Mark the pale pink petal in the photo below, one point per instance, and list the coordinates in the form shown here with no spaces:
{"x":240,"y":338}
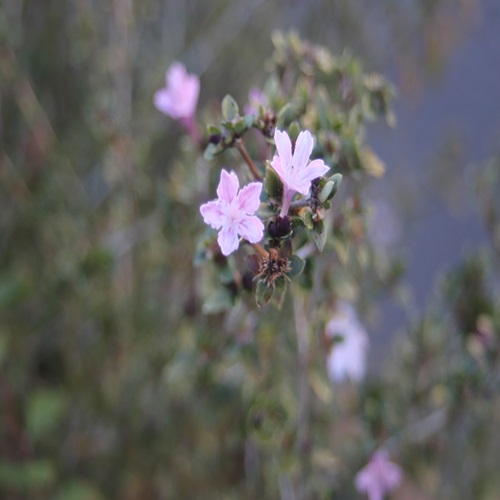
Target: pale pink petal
{"x":228,"y":240}
{"x":284,"y":147}
{"x":212,"y":214}
{"x":251,"y":228}
{"x":302,"y":186}
{"x":176,"y":75}
{"x":278,"y":168}
{"x":187,"y":96}
{"x":249,"y":197}
{"x":163,"y":101}
{"x":228,"y":186}
{"x":303,"y":149}
{"x":315,"y":169}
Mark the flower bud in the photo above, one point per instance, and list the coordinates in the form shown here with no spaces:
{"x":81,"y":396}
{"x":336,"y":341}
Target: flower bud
{"x":214,"y":138}
{"x":279,"y":228}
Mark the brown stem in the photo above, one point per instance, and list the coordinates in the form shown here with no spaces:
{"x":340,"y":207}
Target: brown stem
{"x":241,"y":148}
{"x":262,"y":251}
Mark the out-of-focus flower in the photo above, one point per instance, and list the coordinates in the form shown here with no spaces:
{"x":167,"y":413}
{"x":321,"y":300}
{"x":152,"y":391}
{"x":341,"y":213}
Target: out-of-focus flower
{"x":348,"y":355}
{"x":256,"y":98}
{"x":233,"y":212}
{"x":295,"y":170}
{"x":379,"y":476}
{"x":179,"y":97}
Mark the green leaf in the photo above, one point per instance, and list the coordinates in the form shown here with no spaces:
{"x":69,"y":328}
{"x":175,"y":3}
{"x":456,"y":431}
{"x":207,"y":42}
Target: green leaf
{"x":229,"y":108}
{"x":211,"y":151}
{"x":337,"y":179}
{"x":240,"y":126}
{"x":297,"y":264}
{"x":319,"y":235}
{"x":326,"y":191}
{"x":213,"y":130}
{"x":263,"y":293}
{"x":308,"y":221}
{"x":294,"y":131}
{"x":273,"y":184}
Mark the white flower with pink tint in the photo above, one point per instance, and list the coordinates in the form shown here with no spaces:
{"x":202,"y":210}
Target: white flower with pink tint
{"x":233,"y":212}
{"x":379,"y":476}
{"x":179,"y":97}
{"x":294,"y":169}
{"x":347,"y":359}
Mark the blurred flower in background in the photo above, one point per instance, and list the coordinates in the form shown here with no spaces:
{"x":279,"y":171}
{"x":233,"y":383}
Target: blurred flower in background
{"x":179,"y":97}
{"x":347,"y":358}
{"x":256,"y":98}
{"x":379,"y":476}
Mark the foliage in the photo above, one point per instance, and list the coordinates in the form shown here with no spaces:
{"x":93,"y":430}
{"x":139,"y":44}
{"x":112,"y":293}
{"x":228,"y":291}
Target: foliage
{"x":128,"y":372}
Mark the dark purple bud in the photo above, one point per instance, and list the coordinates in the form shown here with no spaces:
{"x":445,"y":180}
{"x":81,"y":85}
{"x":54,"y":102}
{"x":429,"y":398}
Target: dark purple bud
{"x":214,"y":138}
{"x":283,"y":225}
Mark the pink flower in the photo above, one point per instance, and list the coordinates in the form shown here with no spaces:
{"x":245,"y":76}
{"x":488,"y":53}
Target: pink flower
{"x":348,"y":355}
{"x":295,"y":171}
{"x":379,"y":476}
{"x":256,"y":98}
{"x":233,"y":212}
{"x":179,"y":97}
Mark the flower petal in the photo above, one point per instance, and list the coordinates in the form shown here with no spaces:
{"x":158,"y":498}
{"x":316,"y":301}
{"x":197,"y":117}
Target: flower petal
{"x":212,"y":214}
{"x":251,"y":228}
{"x":249,"y":197}
{"x":315,"y":169}
{"x":163,"y":101}
{"x":284,"y":147}
{"x":176,"y":75}
{"x":228,"y":240}
{"x":228,"y":186}
{"x":303,"y":150}
{"x":278,"y":168}
{"x":186,"y":97}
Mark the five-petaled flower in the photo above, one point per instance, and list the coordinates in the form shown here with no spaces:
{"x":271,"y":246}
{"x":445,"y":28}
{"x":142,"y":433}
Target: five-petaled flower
{"x":347,"y":357}
{"x":295,"y":170}
{"x":379,"y":476}
{"x":233,"y":212}
{"x":179,"y":97}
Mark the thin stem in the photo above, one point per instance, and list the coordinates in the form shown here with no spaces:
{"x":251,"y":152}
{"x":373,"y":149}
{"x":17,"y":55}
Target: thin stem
{"x":302,"y":333}
{"x":304,"y":202}
{"x":262,"y":251}
{"x":241,"y":148}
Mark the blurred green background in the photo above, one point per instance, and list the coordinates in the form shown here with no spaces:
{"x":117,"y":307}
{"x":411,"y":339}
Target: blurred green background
{"x":96,"y":277}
